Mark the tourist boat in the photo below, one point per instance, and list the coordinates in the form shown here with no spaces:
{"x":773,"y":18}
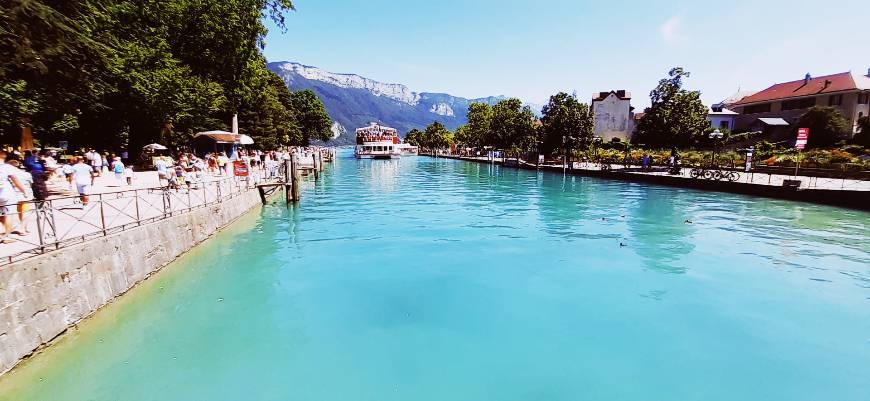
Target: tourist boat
{"x":377,"y":142}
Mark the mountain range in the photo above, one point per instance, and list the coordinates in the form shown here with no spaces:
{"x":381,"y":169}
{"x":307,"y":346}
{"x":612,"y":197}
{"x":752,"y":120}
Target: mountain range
{"x":354,"y":101}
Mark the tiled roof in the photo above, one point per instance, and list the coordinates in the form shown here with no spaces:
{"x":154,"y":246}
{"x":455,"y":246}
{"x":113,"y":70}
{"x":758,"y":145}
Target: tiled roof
{"x":621,"y":94}
{"x":818,"y":85}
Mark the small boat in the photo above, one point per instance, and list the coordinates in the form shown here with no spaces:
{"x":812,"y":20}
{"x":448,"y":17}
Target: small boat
{"x":377,"y":142}
{"x":406,"y":149}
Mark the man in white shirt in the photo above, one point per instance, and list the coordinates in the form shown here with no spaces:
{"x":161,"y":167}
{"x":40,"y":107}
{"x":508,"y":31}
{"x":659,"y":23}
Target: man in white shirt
{"x":83,"y":175}
{"x":160,"y":165}
{"x":8,"y":197}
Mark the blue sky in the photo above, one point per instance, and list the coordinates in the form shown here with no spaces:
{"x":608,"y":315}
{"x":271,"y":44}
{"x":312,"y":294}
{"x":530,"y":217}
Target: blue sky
{"x":532,"y":49}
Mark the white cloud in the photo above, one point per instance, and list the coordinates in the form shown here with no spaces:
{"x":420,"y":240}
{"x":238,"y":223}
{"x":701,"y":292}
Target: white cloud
{"x":670,"y":30}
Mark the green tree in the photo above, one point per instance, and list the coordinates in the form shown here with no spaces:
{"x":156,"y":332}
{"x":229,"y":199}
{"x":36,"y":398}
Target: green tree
{"x":567,"y":123}
{"x":513,"y":126}
{"x":51,"y":64}
{"x":414,"y":137}
{"x":311,"y":116}
{"x":676,"y":117}
{"x":479,"y":124}
{"x":827,"y":126}
{"x":269,"y":118}
{"x":436,"y":136}
{"x":863,"y":136}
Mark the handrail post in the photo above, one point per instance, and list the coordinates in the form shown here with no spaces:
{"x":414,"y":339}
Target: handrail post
{"x":39,"y":205}
{"x":136,"y":201}
{"x":102,"y":214}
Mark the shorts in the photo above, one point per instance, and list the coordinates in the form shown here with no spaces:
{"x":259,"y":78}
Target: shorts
{"x":97,"y":169}
{"x":8,"y":207}
{"x":84,"y":189}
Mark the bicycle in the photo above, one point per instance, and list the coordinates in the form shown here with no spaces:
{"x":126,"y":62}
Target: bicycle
{"x":726,"y":175}
{"x":698,"y":172}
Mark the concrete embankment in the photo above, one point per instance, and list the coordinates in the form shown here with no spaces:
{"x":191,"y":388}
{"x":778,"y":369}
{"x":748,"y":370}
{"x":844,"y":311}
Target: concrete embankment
{"x":41,"y":297}
{"x":843,"y":198}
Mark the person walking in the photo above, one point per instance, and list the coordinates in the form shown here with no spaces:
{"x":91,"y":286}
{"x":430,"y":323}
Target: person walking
{"x":222,"y":162}
{"x":162,"y":174}
{"x":83,"y":177}
{"x":97,"y":165}
{"x":25,"y":198}
{"x":118,"y":169}
{"x":8,"y":198}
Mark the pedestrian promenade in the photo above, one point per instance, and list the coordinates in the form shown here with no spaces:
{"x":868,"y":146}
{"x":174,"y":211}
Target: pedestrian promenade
{"x":834,"y":191}
{"x":113,"y":206}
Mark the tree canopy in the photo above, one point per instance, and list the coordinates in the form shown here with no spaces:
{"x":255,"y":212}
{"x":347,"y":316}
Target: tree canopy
{"x":127,"y":72}
{"x":676,"y":117}
{"x":512,"y":126}
{"x":827,"y":126}
{"x":567,"y":123}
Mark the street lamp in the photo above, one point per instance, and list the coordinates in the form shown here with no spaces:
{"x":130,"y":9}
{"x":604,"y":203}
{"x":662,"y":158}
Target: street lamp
{"x":716,"y":135}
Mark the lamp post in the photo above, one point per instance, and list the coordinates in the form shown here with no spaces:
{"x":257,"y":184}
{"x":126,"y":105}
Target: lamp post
{"x":716,"y":135}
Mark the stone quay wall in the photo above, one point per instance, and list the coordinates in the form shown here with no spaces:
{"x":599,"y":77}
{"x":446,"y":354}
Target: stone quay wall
{"x":43,"y":296}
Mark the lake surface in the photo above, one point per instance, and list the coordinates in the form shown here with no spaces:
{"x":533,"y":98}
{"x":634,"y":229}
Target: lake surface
{"x":426,"y":279}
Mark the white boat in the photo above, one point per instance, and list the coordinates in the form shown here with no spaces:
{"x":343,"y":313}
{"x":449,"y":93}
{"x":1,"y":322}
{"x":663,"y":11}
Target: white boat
{"x":406,"y":149}
{"x":377,"y":142}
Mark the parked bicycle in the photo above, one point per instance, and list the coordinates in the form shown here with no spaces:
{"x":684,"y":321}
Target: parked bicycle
{"x":719,"y":175}
{"x":711,"y":174}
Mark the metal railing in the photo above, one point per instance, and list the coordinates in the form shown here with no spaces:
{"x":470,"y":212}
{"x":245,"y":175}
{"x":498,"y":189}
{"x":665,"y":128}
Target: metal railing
{"x":44,"y":226}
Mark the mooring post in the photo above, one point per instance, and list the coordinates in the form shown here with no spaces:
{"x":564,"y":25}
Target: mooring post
{"x":314,"y":160}
{"x":295,"y":177}
{"x":288,"y":194}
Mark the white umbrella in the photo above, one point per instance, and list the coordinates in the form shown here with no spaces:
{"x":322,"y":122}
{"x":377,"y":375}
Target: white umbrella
{"x":245,"y":140}
{"x":154,"y":146}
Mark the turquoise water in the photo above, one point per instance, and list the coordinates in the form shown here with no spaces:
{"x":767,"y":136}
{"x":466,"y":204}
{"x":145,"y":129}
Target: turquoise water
{"x":427,"y":279}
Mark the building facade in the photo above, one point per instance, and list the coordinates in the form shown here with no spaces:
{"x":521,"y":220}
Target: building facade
{"x":721,"y":118}
{"x":848,"y":92}
{"x":613,"y":115}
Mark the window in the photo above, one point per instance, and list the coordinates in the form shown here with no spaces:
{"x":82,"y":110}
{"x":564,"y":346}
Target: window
{"x":724,"y":124}
{"x":797,"y":104}
{"x":757,"y":108}
{"x":835,"y":100}
{"x":864,"y":98}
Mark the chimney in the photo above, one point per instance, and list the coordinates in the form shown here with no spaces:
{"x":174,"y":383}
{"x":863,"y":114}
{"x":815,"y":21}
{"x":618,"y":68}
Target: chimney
{"x":807,"y":78}
{"x":868,"y":73}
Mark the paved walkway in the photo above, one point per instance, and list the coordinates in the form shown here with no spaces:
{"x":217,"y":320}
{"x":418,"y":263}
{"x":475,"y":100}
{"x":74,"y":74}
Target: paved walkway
{"x":749,"y":178}
{"x":112,"y":207}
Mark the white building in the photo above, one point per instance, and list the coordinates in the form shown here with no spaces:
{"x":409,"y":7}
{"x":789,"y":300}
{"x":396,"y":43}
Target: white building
{"x":722,"y":118}
{"x":613,"y":115}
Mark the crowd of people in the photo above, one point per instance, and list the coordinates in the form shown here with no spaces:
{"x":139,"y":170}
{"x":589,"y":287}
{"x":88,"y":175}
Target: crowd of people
{"x":24,"y":175}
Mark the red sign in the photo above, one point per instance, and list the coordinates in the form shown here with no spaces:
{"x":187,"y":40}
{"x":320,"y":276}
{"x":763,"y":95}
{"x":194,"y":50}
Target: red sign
{"x":802,"y":137}
{"x":240,"y":169}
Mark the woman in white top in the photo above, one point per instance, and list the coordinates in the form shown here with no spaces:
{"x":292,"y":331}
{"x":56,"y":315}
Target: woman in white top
{"x":25,"y":198}
{"x":8,"y":197}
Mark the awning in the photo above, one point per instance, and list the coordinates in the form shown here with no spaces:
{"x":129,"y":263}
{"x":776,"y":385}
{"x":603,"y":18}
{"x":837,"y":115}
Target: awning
{"x":219,"y":136}
{"x":154,"y":146}
{"x":245,"y":140}
{"x":774,"y":122}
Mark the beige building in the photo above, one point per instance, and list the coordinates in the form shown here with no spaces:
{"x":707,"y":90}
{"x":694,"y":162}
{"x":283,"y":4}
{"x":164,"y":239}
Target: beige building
{"x":613,"y":115}
{"x":778,"y":107}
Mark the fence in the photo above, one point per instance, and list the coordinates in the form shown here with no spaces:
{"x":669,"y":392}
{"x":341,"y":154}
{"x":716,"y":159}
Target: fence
{"x":60,"y":222}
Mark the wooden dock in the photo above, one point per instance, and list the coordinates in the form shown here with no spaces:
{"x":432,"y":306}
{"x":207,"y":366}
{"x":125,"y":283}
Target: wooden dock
{"x":293,"y":172}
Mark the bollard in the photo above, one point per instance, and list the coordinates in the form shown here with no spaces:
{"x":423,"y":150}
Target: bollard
{"x":295,"y":175}
{"x":314,"y":161}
